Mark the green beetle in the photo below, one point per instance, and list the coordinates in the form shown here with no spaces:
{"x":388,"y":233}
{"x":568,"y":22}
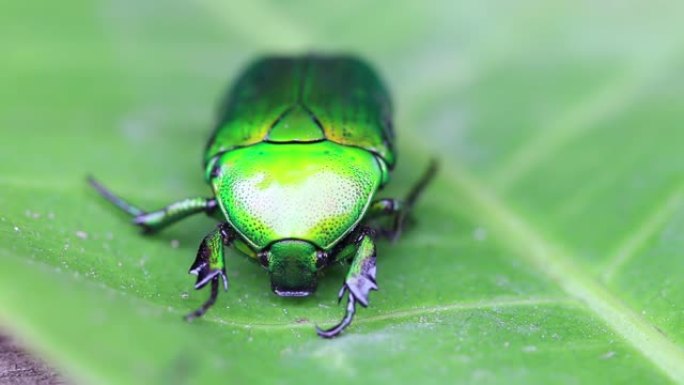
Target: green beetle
{"x":301,"y":147}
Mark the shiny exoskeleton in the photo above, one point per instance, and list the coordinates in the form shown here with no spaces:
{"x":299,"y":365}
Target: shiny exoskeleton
{"x":301,"y":148}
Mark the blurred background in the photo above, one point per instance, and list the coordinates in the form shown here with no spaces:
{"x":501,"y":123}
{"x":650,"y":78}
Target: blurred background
{"x":557,"y":214}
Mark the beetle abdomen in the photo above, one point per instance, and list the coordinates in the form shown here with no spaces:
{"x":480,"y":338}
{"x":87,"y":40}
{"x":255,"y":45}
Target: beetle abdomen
{"x":340,"y":99}
{"x":315,"y":192}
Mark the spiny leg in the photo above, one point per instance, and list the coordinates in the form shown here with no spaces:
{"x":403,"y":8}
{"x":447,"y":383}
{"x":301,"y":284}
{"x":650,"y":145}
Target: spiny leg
{"x":206,"y":305}
{"x":360,"y":279}
{"x":359,"y":282}
{"x":209,"y":266}
{"x":401,"y":209}
{"x":154,"y":221}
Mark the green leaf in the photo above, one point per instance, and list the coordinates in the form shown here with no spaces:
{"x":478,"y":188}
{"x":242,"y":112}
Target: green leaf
{"x":549,"y":249}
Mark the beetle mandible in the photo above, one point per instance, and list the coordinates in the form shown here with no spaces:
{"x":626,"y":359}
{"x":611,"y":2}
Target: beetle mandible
{"x":300,"y":149}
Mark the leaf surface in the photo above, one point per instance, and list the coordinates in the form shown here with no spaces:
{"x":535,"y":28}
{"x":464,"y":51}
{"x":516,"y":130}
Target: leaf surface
{"x":549,"y":249}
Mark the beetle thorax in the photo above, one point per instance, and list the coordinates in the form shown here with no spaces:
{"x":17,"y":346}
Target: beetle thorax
{"x":316,"y":192}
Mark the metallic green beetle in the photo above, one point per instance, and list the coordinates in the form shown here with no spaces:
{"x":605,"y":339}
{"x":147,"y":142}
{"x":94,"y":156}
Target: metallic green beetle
{"x":301,"y":147}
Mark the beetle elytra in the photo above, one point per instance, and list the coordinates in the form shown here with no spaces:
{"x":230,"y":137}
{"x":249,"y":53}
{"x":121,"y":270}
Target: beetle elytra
{"x":301,"y":147}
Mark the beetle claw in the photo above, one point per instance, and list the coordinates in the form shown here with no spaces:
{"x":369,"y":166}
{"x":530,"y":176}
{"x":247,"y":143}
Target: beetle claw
{"x":346,"y":320}
{"x":340,"y":294}
{"x":207,"y":304}
{"x":203,"y":279}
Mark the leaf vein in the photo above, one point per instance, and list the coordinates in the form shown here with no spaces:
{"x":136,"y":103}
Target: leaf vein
{"x":607,"y":102}
{"x":555,"y":262}
{"x":407,"y":313}
{"x":635,"y":241}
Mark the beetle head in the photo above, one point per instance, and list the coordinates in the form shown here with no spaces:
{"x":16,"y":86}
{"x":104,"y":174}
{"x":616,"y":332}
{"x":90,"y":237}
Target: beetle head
{"x":293,"y":266}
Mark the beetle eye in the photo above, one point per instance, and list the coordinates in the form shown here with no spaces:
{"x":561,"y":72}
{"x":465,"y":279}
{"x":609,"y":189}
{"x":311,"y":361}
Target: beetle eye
{"x":215,"y":171}
{"x":263,"y":258}
{"x":321,"y":258}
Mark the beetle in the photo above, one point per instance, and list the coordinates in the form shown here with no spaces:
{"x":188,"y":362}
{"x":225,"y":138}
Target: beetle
{"x":301,"y":147}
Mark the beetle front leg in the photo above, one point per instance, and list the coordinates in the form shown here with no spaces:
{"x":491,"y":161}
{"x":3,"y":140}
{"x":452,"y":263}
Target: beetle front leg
{"x":209,"y":266}
{"x":358,"y":284}
{"x":154,"y":221}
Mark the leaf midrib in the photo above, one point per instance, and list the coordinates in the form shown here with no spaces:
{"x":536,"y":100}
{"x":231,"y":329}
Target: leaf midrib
{"x":555,"y":262}
{"x":636,"y":240}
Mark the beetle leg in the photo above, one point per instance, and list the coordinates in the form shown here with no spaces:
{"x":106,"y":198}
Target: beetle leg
{"x":156,"y":220}
{"x":209,"y":266}
{"x":358,"y":284}
{"x":401,"y":209}
{"x":385,"y":207}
